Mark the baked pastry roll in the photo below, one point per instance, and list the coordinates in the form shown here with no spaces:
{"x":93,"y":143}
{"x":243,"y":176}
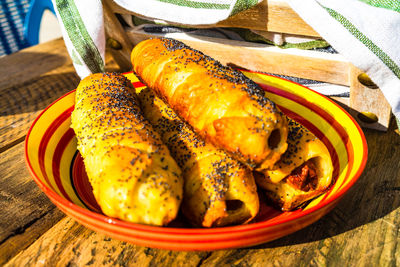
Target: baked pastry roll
{"x":303,"y":172}
{"x":222,"y":105}
{"x":218,"y":190}
{"x":131,"y":171}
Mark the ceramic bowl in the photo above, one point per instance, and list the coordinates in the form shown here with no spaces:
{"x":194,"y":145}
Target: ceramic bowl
{"x":57,"y":167}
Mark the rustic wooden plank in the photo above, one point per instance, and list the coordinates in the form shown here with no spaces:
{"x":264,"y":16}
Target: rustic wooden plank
{"x":48,"y":73}
{"x":70,"y":244}
{"x":269,"y":15}
{"x":117,"y":41}
{"x":24,"y":237}
{"x":32,"y":62}
{"x":331,"y":68}
{"x":47,"y":77}
{"x":369,"y":100}
{"x":26,"y":212}
{"x":363,"y":230}
{"x":20,"y":104}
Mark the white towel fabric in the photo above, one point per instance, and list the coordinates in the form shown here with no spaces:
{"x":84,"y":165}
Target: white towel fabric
{"x":82,"y":27}
{"x":366,"y":33}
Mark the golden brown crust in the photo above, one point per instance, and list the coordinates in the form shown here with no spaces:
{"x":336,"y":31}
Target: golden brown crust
{"x":222,"y":105}
{"x":303,"y":148}
{"x":132,"y":174}
{"x":218,"y":190}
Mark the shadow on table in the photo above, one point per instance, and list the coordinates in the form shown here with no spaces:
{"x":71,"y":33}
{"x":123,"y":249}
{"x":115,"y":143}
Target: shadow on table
{"x":31,"y":81}
{"x":28,"y":84}
{"x":45,"y":77}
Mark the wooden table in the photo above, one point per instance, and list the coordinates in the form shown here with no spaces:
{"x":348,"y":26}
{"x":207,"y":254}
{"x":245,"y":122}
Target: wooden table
{"x":363,"y":230}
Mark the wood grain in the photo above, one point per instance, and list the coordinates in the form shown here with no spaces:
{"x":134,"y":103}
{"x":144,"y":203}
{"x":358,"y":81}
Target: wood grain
{"x":115,"y":32}
{"x":269,"y":15}
{"x":20,"y":104}
{"x":32,"y":62}
{"x":365,"y":99}
{"x":331,"y":68}
{"x":70,"y":244}
{"x":26,"y":213}
{"x":47,"y":74}
{"x":34,"y":78}
{"x":363,"y":230}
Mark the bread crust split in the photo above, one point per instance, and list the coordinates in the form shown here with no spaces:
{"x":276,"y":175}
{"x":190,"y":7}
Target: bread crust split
{"x":222,"y":105}
{"x":218,"y":190}
{"x":132,"y":173}
{"x":303,"y":172}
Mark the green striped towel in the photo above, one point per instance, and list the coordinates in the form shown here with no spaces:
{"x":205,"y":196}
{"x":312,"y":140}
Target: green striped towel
{"x":82,"y":27}
{"x":366,"y":32}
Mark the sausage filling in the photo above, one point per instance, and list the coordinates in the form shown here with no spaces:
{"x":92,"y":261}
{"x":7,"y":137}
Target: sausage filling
{"x":304,"y":177}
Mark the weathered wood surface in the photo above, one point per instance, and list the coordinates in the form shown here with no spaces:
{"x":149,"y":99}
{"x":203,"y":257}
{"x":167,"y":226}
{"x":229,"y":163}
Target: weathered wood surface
{"x":370,"y":100}
{"x":269,"y":15}
{"x":363,"y":230}
{"x":331,"y":68}
{"x":117,"y":41}
{"x":30,"y":80}
{"x":26,"y":213}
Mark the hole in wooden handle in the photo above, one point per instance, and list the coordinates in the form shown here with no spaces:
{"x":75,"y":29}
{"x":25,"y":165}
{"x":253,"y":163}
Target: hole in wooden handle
{"x":365,"y":80}
{"x":367,"y":117}
{"x":114,"y":44}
